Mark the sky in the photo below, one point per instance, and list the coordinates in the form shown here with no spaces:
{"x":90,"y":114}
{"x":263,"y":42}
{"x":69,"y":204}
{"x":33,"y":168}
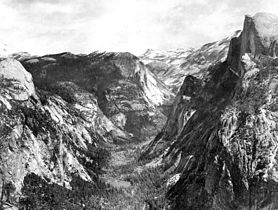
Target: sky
{"x":82,"y":26}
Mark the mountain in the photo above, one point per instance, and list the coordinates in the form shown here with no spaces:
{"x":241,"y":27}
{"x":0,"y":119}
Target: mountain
{"x":43,"y":134}
{"x":220,"y":141}
{"x":63,"y":115}
{"x":127,"y":92}
{"x":173,"y":66}
{"x":104,"y":130}
{"x":60,"y":119}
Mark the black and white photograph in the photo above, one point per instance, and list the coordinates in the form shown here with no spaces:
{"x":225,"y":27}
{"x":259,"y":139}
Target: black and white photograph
{"x":138,"y":105}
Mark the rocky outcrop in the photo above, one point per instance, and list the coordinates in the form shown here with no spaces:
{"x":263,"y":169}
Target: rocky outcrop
{"x":23,"y":86}
{"x":221,"y":136}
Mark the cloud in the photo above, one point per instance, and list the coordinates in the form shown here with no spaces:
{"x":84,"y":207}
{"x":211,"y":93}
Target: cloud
{"x":50,"y":26}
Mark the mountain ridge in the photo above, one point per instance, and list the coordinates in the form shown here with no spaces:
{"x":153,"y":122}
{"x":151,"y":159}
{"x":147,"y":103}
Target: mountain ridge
{"x":222,"y":152}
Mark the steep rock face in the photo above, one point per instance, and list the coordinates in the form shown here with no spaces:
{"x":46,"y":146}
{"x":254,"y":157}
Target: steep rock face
{"x":126,"y":91}
{"x":260,"y":35}
{"x":42,"y":133}
{"x":172,"y":67}
{"x":221,"y":138}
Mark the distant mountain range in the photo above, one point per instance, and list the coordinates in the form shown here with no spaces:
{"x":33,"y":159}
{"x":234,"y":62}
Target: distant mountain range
{"x":171,"y":67}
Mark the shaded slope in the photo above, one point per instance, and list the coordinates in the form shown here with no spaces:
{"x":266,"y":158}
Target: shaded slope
{"x":220,"y":140}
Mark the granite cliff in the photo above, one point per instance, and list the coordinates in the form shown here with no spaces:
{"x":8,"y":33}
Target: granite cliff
{"x":220,"y":141}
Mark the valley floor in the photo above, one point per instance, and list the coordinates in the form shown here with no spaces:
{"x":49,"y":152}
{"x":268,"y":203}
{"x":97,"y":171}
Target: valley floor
{"x":137,"y":187}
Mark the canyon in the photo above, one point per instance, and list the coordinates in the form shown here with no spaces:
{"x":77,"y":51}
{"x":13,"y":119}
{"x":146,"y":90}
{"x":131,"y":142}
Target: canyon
{"x":181,"y":129}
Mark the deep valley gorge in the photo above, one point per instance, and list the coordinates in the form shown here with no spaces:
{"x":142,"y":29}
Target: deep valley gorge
{"x":188,"y":129}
